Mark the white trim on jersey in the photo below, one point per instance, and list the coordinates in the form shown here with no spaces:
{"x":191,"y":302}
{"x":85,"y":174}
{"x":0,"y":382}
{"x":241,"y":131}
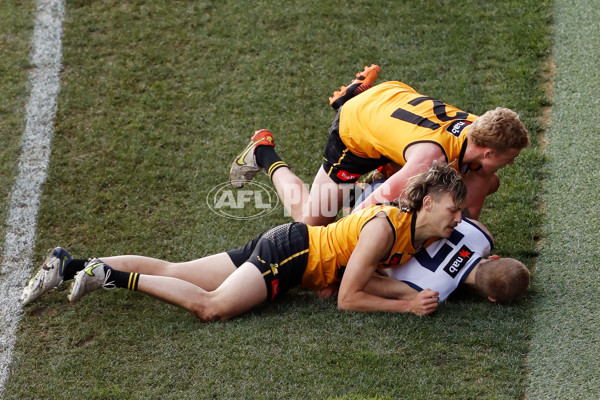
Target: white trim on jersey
{"x":444,"y":264}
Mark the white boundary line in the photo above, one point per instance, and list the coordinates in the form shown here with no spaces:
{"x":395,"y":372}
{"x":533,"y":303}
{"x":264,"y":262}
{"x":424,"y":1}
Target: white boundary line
{"x":35,"y":155}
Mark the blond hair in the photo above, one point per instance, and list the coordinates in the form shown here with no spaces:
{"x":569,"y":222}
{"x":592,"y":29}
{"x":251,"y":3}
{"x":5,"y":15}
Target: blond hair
{"x":504,"y":279}
{"x":499,"y":129}
{"x":440,"y":179}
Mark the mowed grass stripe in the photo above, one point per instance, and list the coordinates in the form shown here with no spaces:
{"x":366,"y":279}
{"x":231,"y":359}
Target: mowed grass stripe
{"x":158,"y":98}
{"x":33,"y":162}
{"x":16,"y":27}
{"x":565,"y":344}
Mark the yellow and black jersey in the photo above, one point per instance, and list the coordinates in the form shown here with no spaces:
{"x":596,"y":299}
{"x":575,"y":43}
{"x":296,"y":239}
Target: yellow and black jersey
{"x":330,"y":246}
{"x":386,"y":119}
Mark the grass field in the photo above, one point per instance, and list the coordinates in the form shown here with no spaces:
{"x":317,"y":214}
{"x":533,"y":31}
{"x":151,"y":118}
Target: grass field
{"x":16,"y":24}
{"x":156,"y":100}
{"x":565,"y":349}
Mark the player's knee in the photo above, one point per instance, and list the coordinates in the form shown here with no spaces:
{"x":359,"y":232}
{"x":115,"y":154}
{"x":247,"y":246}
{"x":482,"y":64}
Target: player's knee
{"x":205,"y":308}
{"x":205,"y":313}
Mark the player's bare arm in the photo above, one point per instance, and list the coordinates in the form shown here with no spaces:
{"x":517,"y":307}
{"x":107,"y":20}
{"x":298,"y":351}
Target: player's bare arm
{"x":423,"y":302}
{"x":480,"y":184}
{"x":379,"y":285}
{"x":419,"y":157}
{"x":384,"y":286}
{"x":373,"y":245}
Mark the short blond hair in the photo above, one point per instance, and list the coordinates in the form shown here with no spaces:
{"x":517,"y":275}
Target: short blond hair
{"x":438,"y":180}
{"x":504,"y":279}
{"x":499,"y":129}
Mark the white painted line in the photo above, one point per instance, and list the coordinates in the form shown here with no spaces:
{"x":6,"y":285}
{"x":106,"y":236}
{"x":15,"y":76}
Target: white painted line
{"x":33,"y":163}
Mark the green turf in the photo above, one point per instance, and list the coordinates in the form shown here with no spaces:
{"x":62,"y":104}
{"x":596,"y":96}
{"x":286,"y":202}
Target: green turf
{"x":16,"y":29}
{"x":565,"y":348}
{"x":157,"y":99}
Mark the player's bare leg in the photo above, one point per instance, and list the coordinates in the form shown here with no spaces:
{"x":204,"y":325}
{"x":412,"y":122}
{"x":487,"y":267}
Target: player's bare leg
{"x":240,"y":292}
{"x":324,"y":200}
{"x":320,"y":206}
{"x":207,"y":272}
{"x":292,"y":192}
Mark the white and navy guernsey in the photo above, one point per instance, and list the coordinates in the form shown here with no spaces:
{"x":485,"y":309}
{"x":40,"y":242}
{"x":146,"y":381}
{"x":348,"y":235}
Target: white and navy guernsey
{"x":444,"y":264}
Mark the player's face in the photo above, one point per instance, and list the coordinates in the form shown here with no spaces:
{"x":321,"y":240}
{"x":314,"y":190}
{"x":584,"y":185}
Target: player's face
{"x":445,"y":215}
{"x":493,"y":160}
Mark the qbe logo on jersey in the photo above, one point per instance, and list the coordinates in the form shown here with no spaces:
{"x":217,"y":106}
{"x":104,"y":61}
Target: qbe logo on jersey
{"x":458,"y":261}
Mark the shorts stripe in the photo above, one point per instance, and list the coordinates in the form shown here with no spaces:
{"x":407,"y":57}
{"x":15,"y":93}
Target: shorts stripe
{"x":288,"y":243}
{"x":286,"y":260}
{"x":294,"y":256}
{"x":339,"y":161}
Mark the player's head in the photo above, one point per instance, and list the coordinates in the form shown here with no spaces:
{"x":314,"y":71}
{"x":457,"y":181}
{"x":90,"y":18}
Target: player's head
{"x":438,"y":197}
{"x":501,"y":279}
{"x":437,"y":181}
{"x":499,"y":129}
{"x":502,"y":133}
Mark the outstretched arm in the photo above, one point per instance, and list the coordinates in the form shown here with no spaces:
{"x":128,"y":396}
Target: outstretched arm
{"x":374,"y":243}
{"x":379,"y":285}
{"x":423,"y":302}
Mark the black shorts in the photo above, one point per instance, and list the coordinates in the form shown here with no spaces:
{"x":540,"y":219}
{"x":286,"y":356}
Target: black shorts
{"x":341,"y":164}
{"x":280,"y":254}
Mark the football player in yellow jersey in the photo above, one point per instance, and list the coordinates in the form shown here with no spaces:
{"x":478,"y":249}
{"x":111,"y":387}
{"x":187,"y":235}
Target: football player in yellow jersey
{"x":224,"y":285}
{"x":390,"y":123}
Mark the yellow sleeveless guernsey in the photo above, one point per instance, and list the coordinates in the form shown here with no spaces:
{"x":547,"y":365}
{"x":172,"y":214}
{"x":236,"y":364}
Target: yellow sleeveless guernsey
{"x":386,"y":119}
{"x":330,"y":246}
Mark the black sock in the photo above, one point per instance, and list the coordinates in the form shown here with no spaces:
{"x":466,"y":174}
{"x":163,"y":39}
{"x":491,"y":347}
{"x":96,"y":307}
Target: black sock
{"x":73,"y":267}
{"x":268,"y":159}
{"x":125,"y":280}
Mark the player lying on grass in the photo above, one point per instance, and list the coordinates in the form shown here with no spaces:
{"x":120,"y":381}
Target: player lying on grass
{"x":224,"y":285}
{"x":446,"y":264}
{"x":389,"y":122}
{"x":449,"y":263}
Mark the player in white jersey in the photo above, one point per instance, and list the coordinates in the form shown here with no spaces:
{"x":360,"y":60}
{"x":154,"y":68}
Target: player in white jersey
{"x":445,"y":264}
{"x":438,"y":269}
